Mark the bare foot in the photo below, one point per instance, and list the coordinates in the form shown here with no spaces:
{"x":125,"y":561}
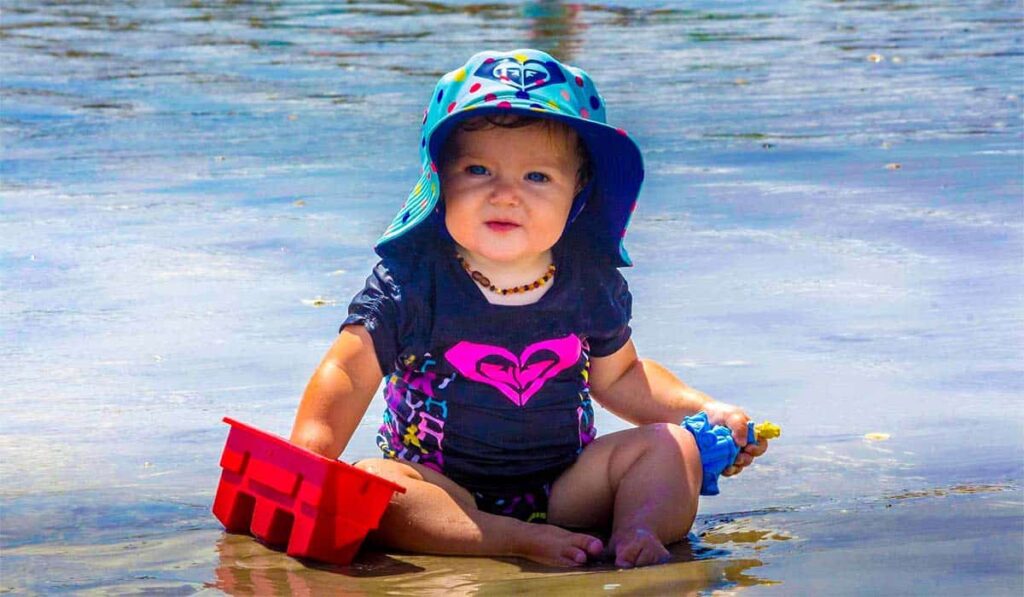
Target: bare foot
{"x":637,"y":547}
{"x":554,"y":546}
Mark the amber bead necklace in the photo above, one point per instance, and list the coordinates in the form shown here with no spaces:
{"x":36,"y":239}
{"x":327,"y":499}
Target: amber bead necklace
{"x":486,"y":282}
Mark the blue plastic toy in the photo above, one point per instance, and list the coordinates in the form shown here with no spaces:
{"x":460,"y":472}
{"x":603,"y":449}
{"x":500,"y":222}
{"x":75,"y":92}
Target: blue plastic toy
{"x":717,"y":448}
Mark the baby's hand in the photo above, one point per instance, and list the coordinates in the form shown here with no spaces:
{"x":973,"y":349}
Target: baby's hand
{"x":736,"y":419}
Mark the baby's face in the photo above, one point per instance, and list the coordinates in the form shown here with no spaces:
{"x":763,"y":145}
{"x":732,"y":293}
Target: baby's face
{"x":508,"y":191}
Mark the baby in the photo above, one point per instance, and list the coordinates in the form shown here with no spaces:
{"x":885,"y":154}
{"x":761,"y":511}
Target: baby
{"x":497,"y":314}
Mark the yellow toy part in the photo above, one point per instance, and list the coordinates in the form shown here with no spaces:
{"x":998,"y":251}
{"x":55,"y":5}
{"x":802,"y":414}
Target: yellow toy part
{"x":767,"y":430}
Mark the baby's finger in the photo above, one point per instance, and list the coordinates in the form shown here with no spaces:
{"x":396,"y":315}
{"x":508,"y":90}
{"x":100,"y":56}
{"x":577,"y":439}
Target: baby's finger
{"x":737,"y":423}
{"x":732,"y":470}
{"x":757,"y":449}
{"x":743,"y":459}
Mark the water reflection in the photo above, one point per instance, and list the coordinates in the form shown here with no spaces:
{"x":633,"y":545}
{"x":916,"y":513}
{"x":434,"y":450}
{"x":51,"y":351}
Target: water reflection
{"x":555,"y":27}
{"x":246,"y":567}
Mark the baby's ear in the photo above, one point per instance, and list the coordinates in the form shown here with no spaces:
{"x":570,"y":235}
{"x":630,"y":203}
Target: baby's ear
{"x":583,"y":177}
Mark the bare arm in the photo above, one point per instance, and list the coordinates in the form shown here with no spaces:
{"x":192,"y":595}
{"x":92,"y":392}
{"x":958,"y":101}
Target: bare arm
{"x":338,"y":394}
{"x":640,"y":390}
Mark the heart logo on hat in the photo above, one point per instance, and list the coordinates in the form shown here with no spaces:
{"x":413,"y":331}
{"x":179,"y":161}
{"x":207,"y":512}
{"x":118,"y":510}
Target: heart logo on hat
{"x":520,"y":377}
{"x":521,"y":74}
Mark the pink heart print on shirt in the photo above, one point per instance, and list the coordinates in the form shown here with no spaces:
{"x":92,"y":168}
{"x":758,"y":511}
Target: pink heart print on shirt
{"x":517,"y":377}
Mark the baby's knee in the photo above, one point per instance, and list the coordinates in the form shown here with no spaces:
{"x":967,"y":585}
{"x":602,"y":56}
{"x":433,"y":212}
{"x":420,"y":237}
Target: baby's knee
{"x":668,"y":437}
{"x":388,"y":469}
{"x":370,"y":465}
{"x":676,"y":447}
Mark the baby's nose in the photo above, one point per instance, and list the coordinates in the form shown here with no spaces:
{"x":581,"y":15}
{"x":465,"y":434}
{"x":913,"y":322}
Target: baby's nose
{"x":504,"y":192}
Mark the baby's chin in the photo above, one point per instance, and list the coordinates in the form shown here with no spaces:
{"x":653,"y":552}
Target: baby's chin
{"x":507,"y":253}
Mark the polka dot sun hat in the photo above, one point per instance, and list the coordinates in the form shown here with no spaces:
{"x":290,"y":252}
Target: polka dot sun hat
{"x":532,"y":83}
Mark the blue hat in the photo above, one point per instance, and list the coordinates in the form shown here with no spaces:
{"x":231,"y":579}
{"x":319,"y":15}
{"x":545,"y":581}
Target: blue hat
{"x":532,"y":83}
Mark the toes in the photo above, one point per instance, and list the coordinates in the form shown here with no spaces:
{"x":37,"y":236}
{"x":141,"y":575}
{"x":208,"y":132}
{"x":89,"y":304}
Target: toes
{"x":626,"y":555}
{"x":590,"y":545}
{"x":652,"y":553}
{"x":574,"y":556}
{"x":641,"y":548}
{"x":581,"y":548}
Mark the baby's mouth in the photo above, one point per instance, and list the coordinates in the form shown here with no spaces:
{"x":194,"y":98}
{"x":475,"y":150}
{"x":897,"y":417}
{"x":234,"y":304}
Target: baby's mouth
{"x":501,"y":225}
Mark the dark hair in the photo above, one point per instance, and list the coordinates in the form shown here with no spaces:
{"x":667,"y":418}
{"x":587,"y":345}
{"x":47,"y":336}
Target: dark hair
{"x":518,"y":121}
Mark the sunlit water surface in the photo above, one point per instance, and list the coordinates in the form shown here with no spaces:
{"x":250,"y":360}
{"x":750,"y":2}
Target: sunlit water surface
{"x":830,"y":235}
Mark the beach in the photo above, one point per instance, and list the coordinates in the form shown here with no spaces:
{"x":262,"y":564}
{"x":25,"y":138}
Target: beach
{"x":830,"y":235}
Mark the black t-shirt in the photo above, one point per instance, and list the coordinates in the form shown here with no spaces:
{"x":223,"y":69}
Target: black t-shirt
{"x":489,"y":394}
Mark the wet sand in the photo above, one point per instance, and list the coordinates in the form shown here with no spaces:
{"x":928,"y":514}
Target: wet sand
{"x":804,"y":549}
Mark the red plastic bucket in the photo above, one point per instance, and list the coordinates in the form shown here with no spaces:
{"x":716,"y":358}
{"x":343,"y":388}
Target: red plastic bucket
{"x":291,"y":498}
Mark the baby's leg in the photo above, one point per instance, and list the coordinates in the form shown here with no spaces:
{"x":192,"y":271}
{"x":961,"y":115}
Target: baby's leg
{"x":646,"y":481}
{"x":436,"y":515}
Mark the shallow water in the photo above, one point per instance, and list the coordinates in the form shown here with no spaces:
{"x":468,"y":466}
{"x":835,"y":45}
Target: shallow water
{"x":830,"y":234}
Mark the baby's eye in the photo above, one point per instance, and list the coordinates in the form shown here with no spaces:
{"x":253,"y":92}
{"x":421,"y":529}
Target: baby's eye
{"x":537,"y":177}
{"x":476,"y":170}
